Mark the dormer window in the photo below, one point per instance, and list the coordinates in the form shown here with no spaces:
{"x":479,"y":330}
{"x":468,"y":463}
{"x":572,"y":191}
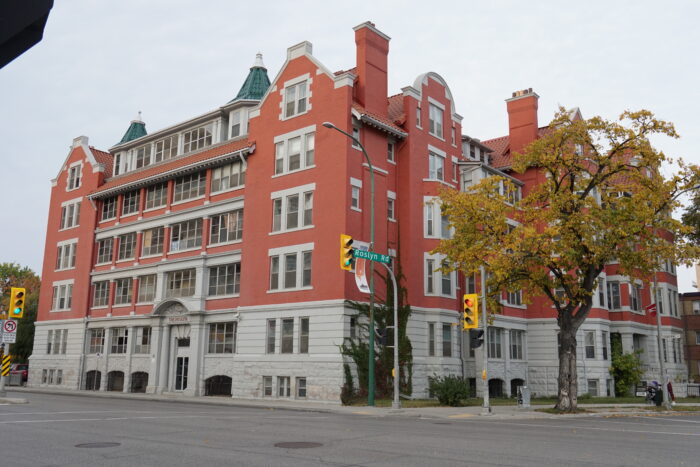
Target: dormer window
{"x":143,"y":156}
{"x":235,"y":124}
{"x":198,"y":138}
{"x":295,"y":99}
{"x":165,"y":149}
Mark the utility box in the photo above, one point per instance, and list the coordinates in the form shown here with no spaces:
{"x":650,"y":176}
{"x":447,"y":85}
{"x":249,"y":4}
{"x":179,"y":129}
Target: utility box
{"x":523,"y":397}
{"x":15,"y":380}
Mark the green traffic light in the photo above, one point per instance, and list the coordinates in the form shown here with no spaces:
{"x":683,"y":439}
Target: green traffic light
{"x":17,"y":311}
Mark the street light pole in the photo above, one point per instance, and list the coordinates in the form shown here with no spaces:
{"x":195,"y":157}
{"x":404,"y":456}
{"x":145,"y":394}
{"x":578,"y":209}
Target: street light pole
{"x":370,"y":377}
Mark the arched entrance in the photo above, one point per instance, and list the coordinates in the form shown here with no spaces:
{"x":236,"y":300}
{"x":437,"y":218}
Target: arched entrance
{"x":115,"y":381}
{"x":218,"y":385}
{"x":495,"y":387}
{"x":139,"y":381}
{"x":92,"y":380}
{"x":175,"y":327}
{"x":514,"y":385}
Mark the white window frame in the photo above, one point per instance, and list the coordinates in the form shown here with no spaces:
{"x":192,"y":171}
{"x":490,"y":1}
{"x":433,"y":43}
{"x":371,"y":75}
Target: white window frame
{"x":75,"y":176}
{"x":391,"y":206}
{"x":156,"y":239}
{"x":301,"y":86}
{"x":436,"y":166}
{"x":188,"y":276}
{"x":495,"y":346}
{"x":391,"y":152}
{"x":159,"y":196}
{"x":189,"y":235}
{"x":220,"y":228}
{"x":433,"y":225}
{"x":147,"y":288}
{"x":118,"y":340}
{"x":62,"y":291}
{"x":123,"y":252}
{"x":279,"y":255}
{"x":195,"y":183}
{"x":123,"y":291}
{"x":517,"y":344}
{"x":165,"y":148}
{"x":113,"y":202}
{"x":436,"y":118}
{"x":222,"y":277}
{"x":223,"y":177}
{"x":70,"y":214}
{"x":306,"y":153}
{"x":433,"y":279}
{"x":100,"y":294}
{"x":106,"y":241}
{"x":133,"y":206}
{"x":280,"y":208}
{"x":589,"y":344}
{"x":355,"y":194}
{"x":199,"y":138}
{"x":65,"y":254}
{"x":142,"y":339}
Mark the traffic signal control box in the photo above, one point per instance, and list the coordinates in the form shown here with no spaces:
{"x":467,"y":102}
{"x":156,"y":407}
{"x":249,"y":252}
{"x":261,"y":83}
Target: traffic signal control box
{"x":470,"y":319}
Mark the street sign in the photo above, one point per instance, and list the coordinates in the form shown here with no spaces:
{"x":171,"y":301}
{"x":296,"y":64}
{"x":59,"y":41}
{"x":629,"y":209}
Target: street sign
{"x":9,"y":331}
{"x":372,"y":256}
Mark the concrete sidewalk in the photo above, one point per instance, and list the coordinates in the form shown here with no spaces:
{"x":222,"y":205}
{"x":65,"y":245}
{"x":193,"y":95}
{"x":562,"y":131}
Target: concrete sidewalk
{"x":498,"y":412}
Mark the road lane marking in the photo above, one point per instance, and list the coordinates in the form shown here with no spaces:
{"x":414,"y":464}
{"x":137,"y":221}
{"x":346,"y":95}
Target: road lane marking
{"x":462,"y":415}
{"x":154,"y":417}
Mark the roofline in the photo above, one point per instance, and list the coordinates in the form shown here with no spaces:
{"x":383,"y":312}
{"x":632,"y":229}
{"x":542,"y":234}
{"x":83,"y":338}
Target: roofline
{"x":189,"y":168}
{"x":477,"y":142}
{"x":218,"y":112}
{"x":499,"y":172}
{"x":366,"y":118}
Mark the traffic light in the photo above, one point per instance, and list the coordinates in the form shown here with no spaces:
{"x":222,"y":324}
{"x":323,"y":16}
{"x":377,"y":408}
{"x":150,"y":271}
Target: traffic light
{"x":347,"y":261}
{"x":17,"y":302}
{"x":476,"y":338}
{"x":471,"y":311}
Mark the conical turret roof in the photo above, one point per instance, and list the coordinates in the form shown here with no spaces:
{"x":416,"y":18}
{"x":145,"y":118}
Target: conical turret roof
{"x":136,"y":130}
{"x":256,"y":84}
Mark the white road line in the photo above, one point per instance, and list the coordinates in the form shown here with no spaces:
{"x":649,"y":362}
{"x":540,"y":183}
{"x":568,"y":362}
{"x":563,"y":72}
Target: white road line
{"x":101,"y":411}
{"x":574,"y":427}
{"x":9,"y":422}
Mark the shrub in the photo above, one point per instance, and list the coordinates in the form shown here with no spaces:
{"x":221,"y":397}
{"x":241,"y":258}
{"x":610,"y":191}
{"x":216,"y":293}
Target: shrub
{"x":449,"y":390}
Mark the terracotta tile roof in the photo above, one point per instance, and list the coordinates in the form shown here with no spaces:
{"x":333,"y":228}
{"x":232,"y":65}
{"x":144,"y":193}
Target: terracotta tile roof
{"x":104,"y":158}
{"x":500,"y":157}
{"x":382,"y":120}
{"x":396,"y":113}
{"x":172,"y":165}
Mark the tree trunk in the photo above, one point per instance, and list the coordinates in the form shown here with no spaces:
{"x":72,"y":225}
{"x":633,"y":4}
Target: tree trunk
{"x":567,"y":381}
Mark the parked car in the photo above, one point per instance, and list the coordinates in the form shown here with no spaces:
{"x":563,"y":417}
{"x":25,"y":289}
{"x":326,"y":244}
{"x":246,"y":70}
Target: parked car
{"x":20,"y":369}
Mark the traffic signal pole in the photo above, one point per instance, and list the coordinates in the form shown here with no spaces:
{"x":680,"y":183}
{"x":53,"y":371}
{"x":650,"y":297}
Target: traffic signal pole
{"x":396,"y":404}
{"x":486,"y":408}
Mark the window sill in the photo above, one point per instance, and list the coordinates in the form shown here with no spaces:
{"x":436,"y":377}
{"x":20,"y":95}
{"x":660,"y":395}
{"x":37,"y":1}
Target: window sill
{"x":279,"y":232}
{"x":294,"y":171}
{"x":434,"y":135}
{"x":283,"y":118}
{"x":59,"y":310}
{"x":131,"y":214}
{"x":391,"y":220}
{"x":108,"y":219}
{"x":227,"y":190}
{"x":230,"y":242}
{"x":439,"y":181}
{"x":126,"y":260}
{"x":182,"y":201}
{"x":154,"y":208}
{"x":104,"y":263}
{"x":195,"y":248}
{"x":355,"y":209}
{"x":150,"y":302}
{"x":100,"y":307}
{"x":154,"y":255}
{"x":221,"y":297}
{"x":63,"y":269}
{"x":296,"y":289}
{"x":121,"y":305}
{"x":69,"y":228}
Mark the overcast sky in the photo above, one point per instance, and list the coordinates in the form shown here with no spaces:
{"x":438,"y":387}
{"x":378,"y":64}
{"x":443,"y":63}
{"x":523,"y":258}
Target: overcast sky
{"x":100,"y":62}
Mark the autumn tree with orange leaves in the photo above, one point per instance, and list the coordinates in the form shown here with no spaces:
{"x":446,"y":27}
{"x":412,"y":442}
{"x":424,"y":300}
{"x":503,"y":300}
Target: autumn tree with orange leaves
{"x":602,"y":199}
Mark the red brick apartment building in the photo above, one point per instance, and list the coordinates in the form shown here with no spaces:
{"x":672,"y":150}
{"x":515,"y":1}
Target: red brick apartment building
{"x":203,"y":258}
{"x":690,"y":303}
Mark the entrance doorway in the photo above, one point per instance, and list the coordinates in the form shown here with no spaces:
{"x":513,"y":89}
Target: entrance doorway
{"x":181,"y":373}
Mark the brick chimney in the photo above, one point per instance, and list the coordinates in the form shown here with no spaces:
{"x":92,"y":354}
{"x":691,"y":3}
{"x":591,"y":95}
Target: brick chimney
{"x":522,"y":119}
{"x":372,"y":56}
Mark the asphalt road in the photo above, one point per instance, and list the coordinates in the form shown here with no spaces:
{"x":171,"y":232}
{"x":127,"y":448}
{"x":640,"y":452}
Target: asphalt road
{"x":59,"y":430}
